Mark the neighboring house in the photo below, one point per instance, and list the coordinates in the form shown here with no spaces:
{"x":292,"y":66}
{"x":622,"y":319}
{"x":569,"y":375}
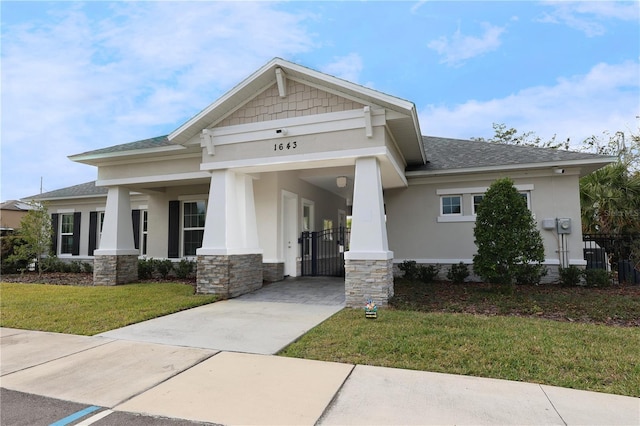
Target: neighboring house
{"x":11,"y":214}
{"x":291,"y":150}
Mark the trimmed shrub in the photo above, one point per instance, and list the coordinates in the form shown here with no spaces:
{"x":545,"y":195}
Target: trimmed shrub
{"x":570,"y":276}
{"x":530,"y":274}
{"x":597,"y":278}
{"x":427,"y":273}
{"x":145,"y":268}
{"x":163,"y":267}
{"x":509,"y":243}
{"x":458,"y":273}
{"x":184,"y":268}
{"x":410,"y":269}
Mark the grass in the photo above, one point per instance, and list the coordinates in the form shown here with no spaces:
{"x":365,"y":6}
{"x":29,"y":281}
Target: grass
{"x":582,"y":338}
{"x":574,"y":355}
{"x":91,"y":310}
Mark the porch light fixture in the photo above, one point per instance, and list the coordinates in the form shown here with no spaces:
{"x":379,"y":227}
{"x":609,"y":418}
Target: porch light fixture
{"x":341,"y":181}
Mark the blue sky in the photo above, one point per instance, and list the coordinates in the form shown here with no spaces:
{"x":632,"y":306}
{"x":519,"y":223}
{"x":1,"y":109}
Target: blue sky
{"x":78,"y":76}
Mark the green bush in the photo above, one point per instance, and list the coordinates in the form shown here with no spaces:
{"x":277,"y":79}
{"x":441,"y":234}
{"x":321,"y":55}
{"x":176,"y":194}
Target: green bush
{"x":570,"y":276}
{"x":458,"y":273}
{"x":74,"y":267}
{"x":530,"y":274}
{"x":11,"y":264}
{"x":184,"y":268}
{"x":597,"y":278}
{"x":427,"y":273}
{"x":410,"y":269}
{"x":87,"y":267}
{"x":52,"y":264}
{"x":163,"y":267}
{"x":145,"y":268}
{"x":506,"y":235}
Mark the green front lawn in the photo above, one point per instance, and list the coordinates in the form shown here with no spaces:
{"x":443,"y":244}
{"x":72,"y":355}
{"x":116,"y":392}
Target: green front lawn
{"x":583,"y":338}
{"x":581,"y":356}
{"x":91,"y":310}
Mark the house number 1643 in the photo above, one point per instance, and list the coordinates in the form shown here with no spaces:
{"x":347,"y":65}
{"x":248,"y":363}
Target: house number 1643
{"x":283,"y":146}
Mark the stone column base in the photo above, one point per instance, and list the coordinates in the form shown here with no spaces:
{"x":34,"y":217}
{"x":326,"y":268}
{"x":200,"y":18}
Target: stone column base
{"x":229,"y":275}
{"x":273,"y":272}
{"x":115,"y":269}
{"x":368,"y":279}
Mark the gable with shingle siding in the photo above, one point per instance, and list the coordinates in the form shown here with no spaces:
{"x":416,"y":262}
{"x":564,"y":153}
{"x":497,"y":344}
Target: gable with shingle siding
{"x":302,"y":100}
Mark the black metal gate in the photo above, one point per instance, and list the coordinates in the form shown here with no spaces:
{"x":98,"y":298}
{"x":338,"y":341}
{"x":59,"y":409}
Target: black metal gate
{"x":619,"y":254}
{"x":323,"y":252}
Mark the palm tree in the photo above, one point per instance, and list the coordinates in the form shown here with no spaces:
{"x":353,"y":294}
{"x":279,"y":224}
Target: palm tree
{"x":610,"y":200}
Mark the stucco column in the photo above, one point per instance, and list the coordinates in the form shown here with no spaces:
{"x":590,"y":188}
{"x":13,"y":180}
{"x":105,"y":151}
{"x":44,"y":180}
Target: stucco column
{"x":368,"y":263}
{"x":230,"y":259}
{"x":116,"y":260}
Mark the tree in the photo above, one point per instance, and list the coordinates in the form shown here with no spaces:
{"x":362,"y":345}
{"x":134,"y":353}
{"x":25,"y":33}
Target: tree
{"x":610,"y":200}
{"x":509,"y":245}
{"x":610,"y":196}
{"x":36,"y":232}
{"x":511,"y":137}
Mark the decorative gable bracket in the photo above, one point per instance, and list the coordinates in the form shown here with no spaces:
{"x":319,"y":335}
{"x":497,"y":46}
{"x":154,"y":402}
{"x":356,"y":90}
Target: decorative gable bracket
{"x":281,"y":78}
{"x":206,"y":141}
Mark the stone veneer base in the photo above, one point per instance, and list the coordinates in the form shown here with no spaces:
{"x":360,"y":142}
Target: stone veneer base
{"x":273,"y":272}
{"x":115,"y":269}
{"x":368,"y":279}
{"x":229,"y":275}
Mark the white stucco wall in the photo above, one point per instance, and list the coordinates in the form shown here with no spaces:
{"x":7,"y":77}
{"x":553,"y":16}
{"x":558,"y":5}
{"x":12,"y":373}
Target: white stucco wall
{"x":415,"y":233}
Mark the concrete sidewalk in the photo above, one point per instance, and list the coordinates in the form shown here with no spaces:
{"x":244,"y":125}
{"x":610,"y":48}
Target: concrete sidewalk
{"x":220,"y":387}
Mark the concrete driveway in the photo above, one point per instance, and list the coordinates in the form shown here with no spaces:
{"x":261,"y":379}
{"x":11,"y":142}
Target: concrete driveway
{"x":262,"y":322}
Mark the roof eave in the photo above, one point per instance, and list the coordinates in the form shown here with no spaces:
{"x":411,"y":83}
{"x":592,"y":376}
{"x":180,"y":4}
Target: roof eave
{"x":95,"y":159}
{"x":586,"y":165}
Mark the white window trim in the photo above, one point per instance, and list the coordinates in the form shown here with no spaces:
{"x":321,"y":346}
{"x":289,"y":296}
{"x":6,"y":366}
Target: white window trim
{"x":144,"y":232}
{"x":62,"y":234}
{"x":442,"y":197}
{"x":189,"y":199}
{"x":525,"y":189}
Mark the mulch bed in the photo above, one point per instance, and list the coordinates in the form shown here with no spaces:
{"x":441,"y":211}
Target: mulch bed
{"x":616,"y":305}
{"x":571,"y":304}
{"x":65,"y":278}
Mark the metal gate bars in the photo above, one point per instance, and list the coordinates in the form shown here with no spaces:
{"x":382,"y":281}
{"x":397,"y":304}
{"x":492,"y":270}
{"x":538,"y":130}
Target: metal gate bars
{"x":323,"y":252}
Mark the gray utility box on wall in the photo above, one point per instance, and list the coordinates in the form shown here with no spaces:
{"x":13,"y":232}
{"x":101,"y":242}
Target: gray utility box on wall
{"x":563,"y":225}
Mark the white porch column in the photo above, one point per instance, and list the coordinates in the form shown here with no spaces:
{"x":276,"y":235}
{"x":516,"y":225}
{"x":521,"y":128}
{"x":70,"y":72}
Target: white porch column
{"x":116,"y":260}
{"x":230,"y":259}
{"x":231,"y":225}
{"x":117,"y":229}
{"x":368,"y":227}
{"x":368,"y":263}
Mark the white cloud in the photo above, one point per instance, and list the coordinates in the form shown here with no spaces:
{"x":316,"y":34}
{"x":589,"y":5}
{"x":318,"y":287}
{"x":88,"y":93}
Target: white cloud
{"x":78,"y":82}
{"x":346,"y":67}
{"x":606,"y":98}
{"x":459,"y":48}
{"x":588,"y":16}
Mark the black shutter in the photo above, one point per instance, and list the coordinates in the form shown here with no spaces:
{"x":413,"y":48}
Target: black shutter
{"x":93,"y":232}
{"x":135,"y":217}
{"x":76,"y":234}
{"x":54,"y":233}
{"x":174,"y":229}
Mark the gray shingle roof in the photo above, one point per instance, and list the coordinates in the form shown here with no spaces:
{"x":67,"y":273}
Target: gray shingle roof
{"x":88,"y":189}
{"x":156,"y":142}
{"x":452,"y":154}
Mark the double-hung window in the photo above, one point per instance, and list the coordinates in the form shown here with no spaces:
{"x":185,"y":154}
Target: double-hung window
{"x":451,"y":205}
{"x":66,"y":233}
{"x":477,"y":199}
{"x":144,"y":232}
{"x":194,"y":213}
